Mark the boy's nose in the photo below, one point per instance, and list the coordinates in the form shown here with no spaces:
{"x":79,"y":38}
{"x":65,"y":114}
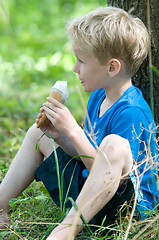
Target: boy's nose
{"x":75,"y":68}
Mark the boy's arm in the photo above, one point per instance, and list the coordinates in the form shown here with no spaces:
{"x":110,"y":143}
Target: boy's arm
{"x":76,"y":143}
{"x":71,"y":136}
{"x":59,"y":138}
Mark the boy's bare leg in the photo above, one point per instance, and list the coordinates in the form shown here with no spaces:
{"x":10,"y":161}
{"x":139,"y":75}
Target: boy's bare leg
{"x":22,"y":170}
{"x":113,"y":161}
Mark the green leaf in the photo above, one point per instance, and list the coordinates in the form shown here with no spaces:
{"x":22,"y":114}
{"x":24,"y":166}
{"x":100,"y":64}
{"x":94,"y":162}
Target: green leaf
{"x":3,"y":234}
{"x":81,"y":216}
{"x":155,"y":69}
{"x":41,"y":197}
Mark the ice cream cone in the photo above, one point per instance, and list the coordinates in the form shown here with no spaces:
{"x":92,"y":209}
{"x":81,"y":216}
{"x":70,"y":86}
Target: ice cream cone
{"x":60,"y":93}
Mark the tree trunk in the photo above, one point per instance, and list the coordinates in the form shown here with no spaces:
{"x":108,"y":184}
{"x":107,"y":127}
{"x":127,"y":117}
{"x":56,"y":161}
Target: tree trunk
{"x":142,"y":78}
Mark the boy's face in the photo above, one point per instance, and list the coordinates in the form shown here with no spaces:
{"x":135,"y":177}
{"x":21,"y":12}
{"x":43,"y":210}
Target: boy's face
{"x":91,"y":74}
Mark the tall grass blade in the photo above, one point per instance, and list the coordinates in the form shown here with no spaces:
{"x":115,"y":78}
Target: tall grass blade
{"x":81,"y":216}
{"x":62,"y":177}
{"x":36,"y":148}
{"x":58,"y":174}
{"x":71,"y":176}
{"x":155,"y":69}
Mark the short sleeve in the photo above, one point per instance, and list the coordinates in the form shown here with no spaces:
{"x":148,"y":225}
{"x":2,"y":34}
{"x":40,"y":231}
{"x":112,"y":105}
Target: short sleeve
{"x":128,"y":123}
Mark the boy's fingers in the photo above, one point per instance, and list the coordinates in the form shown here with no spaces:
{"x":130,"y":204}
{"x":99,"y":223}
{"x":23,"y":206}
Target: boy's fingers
{"x":41,"y":110}
{"x":37,"y":121}
{"x":49,"y":106}
{"x":49,"y":112}
{"x":39,"y":115}
{"x":54,"y":102}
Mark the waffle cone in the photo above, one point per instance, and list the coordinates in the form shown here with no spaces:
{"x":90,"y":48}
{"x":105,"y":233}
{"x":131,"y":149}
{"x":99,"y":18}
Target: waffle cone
{"x":56,"y":94}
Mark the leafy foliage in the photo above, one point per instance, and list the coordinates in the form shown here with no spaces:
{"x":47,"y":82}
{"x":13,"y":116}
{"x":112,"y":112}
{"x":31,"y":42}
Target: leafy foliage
{"x":35,"y":53}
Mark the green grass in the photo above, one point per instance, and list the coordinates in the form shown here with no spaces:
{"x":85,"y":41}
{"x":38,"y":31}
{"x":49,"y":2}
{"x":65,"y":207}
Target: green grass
{"x":33,"y":215}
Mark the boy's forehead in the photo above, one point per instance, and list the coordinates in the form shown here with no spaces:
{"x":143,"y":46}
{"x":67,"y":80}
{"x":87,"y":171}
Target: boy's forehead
{"x":85,"y":55}
{"x":80,"y":51}
{"x":76,"y":50}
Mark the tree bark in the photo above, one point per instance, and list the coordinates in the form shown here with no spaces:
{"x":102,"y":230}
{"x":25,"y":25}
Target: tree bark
{"x":142,"y":78}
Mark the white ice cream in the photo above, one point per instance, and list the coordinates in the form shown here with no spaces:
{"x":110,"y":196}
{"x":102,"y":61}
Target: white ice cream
{"x":62,"y":87}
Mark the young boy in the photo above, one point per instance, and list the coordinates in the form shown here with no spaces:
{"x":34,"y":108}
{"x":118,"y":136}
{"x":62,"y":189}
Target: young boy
{"x":119,"y":135}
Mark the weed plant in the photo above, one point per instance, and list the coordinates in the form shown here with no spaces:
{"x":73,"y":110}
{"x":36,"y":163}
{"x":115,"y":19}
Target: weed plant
{"x":33,"y":215}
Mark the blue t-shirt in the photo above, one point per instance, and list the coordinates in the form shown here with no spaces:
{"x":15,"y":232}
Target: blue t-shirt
{"x":129,"y":117}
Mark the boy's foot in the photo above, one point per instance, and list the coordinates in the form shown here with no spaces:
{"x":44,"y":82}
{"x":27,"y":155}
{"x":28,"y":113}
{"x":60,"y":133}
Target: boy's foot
{"x":4,"y":221}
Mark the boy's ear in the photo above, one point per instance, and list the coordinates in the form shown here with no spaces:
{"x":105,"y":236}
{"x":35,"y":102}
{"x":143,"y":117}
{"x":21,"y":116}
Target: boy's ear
{"x":114,"y":67}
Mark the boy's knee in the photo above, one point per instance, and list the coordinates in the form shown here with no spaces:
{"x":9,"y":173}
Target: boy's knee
{"x":34,"y":133}
{"x":115,"y":145}
{"x":44,"y":143}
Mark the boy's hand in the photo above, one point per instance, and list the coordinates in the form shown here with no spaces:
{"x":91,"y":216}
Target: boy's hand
{"x":47,"y":127}
{"x":60,"y":116}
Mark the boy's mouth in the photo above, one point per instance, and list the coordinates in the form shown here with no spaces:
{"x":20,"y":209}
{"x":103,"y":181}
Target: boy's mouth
{"x":82,"y":82}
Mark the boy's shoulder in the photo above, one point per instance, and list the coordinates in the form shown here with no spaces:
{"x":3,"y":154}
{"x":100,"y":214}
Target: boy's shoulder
{"x":132,"y":101}
{"x":131,"y":97}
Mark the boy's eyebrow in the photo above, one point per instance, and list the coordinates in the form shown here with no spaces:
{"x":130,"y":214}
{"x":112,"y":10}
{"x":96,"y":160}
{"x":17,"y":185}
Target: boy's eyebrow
{"x":76,"y":54}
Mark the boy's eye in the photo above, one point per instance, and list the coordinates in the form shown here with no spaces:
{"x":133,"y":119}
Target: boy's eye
{"x":80,"y":60}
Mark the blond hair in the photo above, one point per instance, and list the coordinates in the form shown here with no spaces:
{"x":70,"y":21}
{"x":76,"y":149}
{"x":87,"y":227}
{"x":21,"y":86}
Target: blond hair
{"x":110,"y":32}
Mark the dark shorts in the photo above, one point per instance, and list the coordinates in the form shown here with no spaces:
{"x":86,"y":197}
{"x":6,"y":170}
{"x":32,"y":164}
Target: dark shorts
{"x":71,"y":171}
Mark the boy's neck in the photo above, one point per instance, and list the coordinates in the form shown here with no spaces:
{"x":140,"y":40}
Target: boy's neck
{"x":113,"y":94}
